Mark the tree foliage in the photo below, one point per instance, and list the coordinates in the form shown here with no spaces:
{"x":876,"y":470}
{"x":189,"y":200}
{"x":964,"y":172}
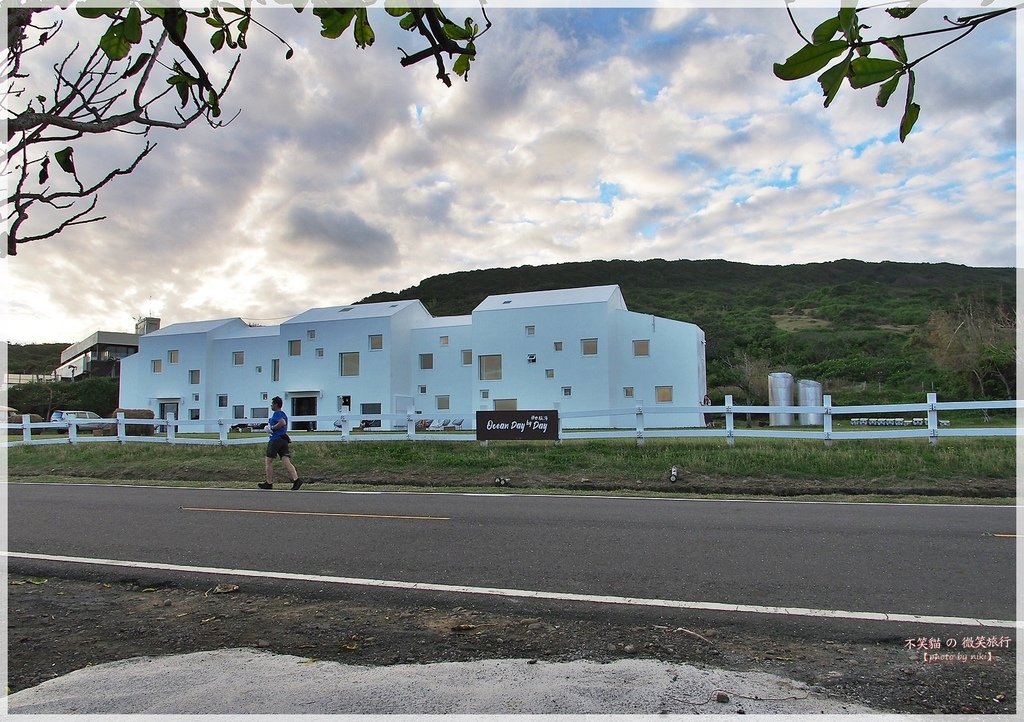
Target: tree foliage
{"x":839,"y":47}
{"x":43,"y":398}
{"x":149,"y":70}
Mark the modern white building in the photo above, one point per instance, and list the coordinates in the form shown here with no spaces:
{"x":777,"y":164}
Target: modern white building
{"x":572,"y":350}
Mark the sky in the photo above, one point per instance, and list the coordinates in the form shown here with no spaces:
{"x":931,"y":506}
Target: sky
{"x":583,"y":133}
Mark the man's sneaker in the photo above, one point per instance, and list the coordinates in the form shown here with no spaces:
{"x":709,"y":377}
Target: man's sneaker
{"x":296,"y":484}
{"x":265,"y":485}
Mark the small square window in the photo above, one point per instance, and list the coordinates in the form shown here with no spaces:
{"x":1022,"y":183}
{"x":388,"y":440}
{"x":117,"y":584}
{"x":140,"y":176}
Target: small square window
{"x":376,"y":341}
{"x":423,"y":389}
{"x":443,"y":402}
{"x":193,"y":414}
{"x":426,"y":360}
{"x":156,"y":365}
{"x":627,"y":392}
{"x":558,"y":345}
{"x":264,"y":396}
{"x":467,"y":357}
{"x":485,"y":393}
{"x":663,"y":394}
{"x":444,"y":340}
{"x":172,"y":356}
{"x":193,"y":376}
{"x":311,"y":334}
{"x":567,"y":391}
{"x":642,"y":347}
{"x":222,"y":401}
{"x":348,"y":363}
{"x":549,"y":373}
{"x":195,"y":397}
{"x":259,"y":369}
{"x":588,"y":346}
{"x":531,"y":330}
{"x":531,"y":358}
{"x":238,"y":412}
{"x":295,"y":347}
{"x":238,"y":358}
{"x":319,"y":353}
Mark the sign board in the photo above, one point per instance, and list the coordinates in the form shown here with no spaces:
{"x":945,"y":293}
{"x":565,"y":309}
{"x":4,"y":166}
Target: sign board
{"x":517,"y":425}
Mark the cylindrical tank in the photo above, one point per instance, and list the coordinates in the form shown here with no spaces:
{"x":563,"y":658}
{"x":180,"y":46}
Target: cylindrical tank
{"x":808,"y":393}
{"x":780,"y":393}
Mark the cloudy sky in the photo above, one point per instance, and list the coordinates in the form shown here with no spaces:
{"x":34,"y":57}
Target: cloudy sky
{"x":583,"y":133}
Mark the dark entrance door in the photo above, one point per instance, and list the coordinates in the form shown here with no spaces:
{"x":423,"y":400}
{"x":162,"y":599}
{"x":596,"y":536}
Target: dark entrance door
{"x":304,"y":406}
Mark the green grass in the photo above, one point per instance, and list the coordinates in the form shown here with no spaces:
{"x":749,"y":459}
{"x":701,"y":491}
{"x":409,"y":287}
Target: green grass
{"x":954,"y":469}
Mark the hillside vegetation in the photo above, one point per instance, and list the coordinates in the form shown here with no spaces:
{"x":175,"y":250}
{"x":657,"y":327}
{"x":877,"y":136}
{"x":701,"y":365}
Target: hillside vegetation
{"x":867,"y":331}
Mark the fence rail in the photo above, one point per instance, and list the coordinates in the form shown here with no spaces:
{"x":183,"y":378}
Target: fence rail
{"x":923,"y":423}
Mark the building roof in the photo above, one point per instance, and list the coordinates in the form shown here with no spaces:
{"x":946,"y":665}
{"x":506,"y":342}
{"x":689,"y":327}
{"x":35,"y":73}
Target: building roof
{"x":108,"y":338}
{"x":385,"y":309}
{"x":561,"y":297}
{"x":201,"y":327}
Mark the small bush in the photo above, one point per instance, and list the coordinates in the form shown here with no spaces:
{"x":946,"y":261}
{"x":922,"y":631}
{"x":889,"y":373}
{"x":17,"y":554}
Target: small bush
{"x":136,"y":429}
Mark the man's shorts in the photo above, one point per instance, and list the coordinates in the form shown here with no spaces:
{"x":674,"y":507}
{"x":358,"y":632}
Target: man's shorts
{"x":278,"y":447}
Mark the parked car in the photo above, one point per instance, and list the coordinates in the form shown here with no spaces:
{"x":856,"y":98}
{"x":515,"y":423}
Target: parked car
{"x":66,"y":416}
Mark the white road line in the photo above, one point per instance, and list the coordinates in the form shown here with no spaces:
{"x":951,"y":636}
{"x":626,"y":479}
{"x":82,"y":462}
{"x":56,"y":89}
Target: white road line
{"x":523,"y":593}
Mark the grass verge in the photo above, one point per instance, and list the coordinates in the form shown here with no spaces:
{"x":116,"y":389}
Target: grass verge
{"x":954,"y":470}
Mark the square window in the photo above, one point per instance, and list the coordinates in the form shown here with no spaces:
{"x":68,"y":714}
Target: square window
{"x":467,"y":357}
{"x":531,"y":358}
{"x":156,"y":365}
{"x":663,"y":394}
{"x":443,"y":402}
{"x":222,"y":401}
{"x":238,"y":412}
{"x":485,"y":393}
{"x":238,"y":358}
{"x":193,"y":414}
{"x":295,"y":347}
{"x":423,"y":389}
{"x":348,"y":363}
{"x":549,"y":373}
{"x":490,"y":367}
{"x":259,"y":369}
{"x":588,"y":346}
{"x":627,"y":392}
{"x":567,"y":391}
{"x":642,"y":347}
{"x":426,"y":361}
{"x":311,"y":334}
{"x":172,"y":356}
{"x":531,"y":330}
{"x":195,"y":397}
{"x":264,"y":396}
{"x":193,"y":376}
{"x":319,"y":353}
{"x":376,"y":341}
{"x":444,"y":340}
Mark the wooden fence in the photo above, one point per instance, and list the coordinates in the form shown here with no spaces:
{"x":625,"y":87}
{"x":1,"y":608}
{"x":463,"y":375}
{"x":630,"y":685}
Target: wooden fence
{"x":727,"y":421}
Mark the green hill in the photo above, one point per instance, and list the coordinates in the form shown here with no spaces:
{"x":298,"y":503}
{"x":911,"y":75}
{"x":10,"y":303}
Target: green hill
{"x":37,"y":358}
{"x":868,"y":331}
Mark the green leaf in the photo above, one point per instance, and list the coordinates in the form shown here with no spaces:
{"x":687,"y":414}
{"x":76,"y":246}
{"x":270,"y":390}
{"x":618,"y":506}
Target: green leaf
{"x":396,"y":12}
{"x":887,"y":89}
{"x":809,"y":59}
{"x":848,"y":22}
{"x":832,"y":79}
{"x":461,"y":66}
{"x":408,"y":22}
{"x":92,"y":12}
{"x":909,"y":118}
{"x":65,"y":159}
{"x":897,"y":46}
{"x":215,"y":22}
{"x":826,"y":31}
{"x":868,"y":71}
{"x":334,"y":21}
{"x":133,"y":26}
{"x":454,"y":32}
{"x":114,"y":44}
{"x":232,"y":9}
{"x":902,"y":13}
{"x":364,"y":36}
{"x":217,"y":40}
{"x":139,"y":64}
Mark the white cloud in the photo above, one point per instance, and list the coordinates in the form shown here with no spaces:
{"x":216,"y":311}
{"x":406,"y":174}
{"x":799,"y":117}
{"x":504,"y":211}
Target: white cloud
{"x":346,"y":174}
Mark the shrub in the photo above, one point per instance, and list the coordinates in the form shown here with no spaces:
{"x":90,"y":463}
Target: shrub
{"x":137,"y":429}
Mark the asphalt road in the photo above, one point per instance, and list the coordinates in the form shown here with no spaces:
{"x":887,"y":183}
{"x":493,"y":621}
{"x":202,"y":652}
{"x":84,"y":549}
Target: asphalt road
{"x":906,"y":559}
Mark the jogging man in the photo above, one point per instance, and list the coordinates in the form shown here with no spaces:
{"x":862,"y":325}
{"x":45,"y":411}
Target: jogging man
{"x":278,"y":446}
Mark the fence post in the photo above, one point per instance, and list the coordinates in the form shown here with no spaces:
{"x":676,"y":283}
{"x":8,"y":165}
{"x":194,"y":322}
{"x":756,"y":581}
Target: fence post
{"x":730,"y":422}
{"x":933,"y":419}
{"x":26,"y":428}
{"x":410,"y":425}
{"x":345,"y":428}
{"x":172,"y":427}
{"x":122,"y":431}
{"x":640,"y":423}
{"x":827,"y":419}
{"x":222,"y":431}
{"x":72,"y":431}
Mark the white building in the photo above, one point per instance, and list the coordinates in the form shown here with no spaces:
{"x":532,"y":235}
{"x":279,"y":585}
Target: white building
{"x":572,"y":350}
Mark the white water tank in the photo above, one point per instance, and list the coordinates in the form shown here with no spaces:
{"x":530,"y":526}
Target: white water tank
{"x":808,"y":393}
{"x":780,"y":393}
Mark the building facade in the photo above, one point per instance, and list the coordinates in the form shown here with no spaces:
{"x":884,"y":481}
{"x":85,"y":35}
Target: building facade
{"x":574,"y":350}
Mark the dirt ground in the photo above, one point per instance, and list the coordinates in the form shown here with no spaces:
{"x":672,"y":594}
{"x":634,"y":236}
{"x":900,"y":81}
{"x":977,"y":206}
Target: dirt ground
{"x":57,"y":625}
